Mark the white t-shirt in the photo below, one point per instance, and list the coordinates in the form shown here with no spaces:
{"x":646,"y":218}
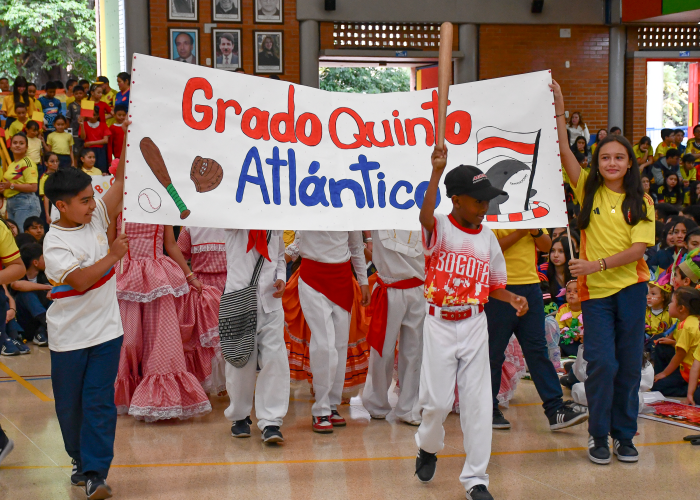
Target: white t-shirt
{"x":463,"y":265}
{"x":398,"y":255}
{"x":78,"y":320}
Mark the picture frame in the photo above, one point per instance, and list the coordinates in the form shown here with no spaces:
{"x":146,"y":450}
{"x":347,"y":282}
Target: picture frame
{"x":183,"y":10}
{"x":269,"y":11}
{"x":226,"y":49}
{"x":269,"y":58}
{"x":188,"y":50}
{"x":226,"y":11}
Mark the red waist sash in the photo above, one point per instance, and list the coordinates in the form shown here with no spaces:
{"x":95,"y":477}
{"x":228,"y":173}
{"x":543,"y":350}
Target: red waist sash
{"x":379,"y":308}
{"x":332,"y":280}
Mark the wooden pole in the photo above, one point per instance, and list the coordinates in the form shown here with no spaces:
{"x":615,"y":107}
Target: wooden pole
{"x":444,"y":80}
{"x":121,"y":262}
{"x":571,"y":248}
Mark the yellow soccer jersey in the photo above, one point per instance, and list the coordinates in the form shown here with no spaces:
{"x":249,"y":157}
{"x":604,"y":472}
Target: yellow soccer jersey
{"x":657,"y":323}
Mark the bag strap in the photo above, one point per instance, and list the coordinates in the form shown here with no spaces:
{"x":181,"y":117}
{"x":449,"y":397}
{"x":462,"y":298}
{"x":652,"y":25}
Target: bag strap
{"x":259,"y":264}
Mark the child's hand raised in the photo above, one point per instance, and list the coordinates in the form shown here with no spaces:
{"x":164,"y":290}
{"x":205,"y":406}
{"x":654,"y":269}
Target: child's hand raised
{"x":439,"y":159}
{"x":125,"y":126}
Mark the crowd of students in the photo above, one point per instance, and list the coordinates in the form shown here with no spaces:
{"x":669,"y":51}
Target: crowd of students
{"x":151,"y":321}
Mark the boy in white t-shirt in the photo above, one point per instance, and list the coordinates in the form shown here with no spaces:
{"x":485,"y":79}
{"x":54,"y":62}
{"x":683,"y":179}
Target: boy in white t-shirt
{"x":85,"y":329}
{"x":464,"y":267}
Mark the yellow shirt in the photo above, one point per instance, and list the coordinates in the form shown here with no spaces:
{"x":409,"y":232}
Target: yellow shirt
{"x":661,"y":150}
{"x":37,"y":105}
{"x":8,"y":105}
{"x":92,"y":171}
{"x":42,"y":181}
{"x":567,"y":322}
{"x":23,"y":171}
{"x":521,"y":258}
{"x":60,"y":142}
{"x":288,"y":237}
{"x":656,"y":324}
{"x":8,"y":247}
{"x":69,"y":100}
{"x":638,"y":153}
{"x":688,"y":338}
{"x":607,"y":234}
{"x":34,"y":149}
{"x":693,"y":148}
{"x":15,"y":128}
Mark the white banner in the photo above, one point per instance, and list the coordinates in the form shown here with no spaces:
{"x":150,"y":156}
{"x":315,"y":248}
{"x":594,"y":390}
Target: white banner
{"x":213,"y":148}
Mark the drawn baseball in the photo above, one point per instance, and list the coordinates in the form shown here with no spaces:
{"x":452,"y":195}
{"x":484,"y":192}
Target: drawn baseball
{"x":154,"y":159}
{"x":149,"y":200}
{"x":206,"y":174}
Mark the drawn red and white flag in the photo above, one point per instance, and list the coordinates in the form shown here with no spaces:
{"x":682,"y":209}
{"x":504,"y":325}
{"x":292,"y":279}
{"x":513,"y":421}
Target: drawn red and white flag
{"x":493,"y":142}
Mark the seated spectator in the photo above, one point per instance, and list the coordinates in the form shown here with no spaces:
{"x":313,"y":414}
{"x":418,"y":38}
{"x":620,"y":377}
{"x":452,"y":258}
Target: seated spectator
{"x":688,"y":176}
{"x":33,"y":294}
{"x":646,"y":185}
{"x":693,"y":145}
{"x":570,"y":321}
{"x":13,"y":227}
{"x":577,"y":127}
{"x":671,"y":192}
{"x":665,"y":144}
{"x":87,"y":163}
{"x":35,"y":228}
{"x":582,"y":159}
{"x":662,"y":167}
{"x":644,"y":152}
{"x":615,"y":131}
{"x":18,"y":125}
{"x":602,"y":134}
{"x":678,"y":136}
{"x":581,"y":146}
{"x":555,"y":273}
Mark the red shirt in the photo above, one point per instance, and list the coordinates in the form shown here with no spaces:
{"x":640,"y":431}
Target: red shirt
{"x":116,"y":141}
{"x":104,"y":108}
{"x":462,"y":265}
{"x":95,"y":134}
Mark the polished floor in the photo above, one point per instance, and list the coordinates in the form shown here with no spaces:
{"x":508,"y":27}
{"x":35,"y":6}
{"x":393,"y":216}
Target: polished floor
{"x":198,"y":459}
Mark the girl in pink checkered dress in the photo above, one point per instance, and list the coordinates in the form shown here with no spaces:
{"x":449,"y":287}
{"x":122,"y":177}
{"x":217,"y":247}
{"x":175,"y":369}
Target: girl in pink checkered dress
{"x":205,"y":248}
{"x":164,"y":369}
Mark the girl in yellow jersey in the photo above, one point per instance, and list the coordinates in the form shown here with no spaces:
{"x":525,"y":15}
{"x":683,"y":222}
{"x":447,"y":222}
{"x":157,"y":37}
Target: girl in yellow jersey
{"x":616,"y":223}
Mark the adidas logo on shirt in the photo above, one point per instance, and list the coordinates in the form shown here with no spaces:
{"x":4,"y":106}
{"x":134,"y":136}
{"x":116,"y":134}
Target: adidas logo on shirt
{"x":596,"y":211}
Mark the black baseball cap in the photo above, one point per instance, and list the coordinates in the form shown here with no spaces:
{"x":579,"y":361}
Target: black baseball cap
{"x":471,"y":181}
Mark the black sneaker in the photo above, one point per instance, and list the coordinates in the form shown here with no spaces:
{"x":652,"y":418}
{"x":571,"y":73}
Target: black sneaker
{"x":567,"y":416}
{"x":499,"y":421}
{"x":425,"y":466}
{"x":41,"y":340}
{"x":97,"y":489}
{"x":77,"y":478}
{"x":241,"y":428}
{"x":6,"y":446}
{"x":598,"y":450}
{"x":479,"y":492}
{"x":625,"y":451}
{"x":272,"y":434}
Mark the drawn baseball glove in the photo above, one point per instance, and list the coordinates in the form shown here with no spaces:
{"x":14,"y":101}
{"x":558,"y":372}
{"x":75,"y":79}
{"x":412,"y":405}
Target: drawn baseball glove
{"x":206,"y":174}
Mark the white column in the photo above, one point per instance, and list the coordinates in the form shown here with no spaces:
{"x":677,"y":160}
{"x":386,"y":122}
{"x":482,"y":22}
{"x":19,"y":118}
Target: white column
{"x":616,"y":77}
{"x":467,"y":69}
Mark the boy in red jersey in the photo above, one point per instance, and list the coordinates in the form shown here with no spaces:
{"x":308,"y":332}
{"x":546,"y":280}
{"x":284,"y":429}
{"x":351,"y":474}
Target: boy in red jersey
{"x":464,"y":267}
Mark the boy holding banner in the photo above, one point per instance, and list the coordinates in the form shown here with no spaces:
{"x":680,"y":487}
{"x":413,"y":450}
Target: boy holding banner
{"x":251,"y":273}
{"x":326,"y":297}
{"x":398,"y":305}
{"x":464,"y":268}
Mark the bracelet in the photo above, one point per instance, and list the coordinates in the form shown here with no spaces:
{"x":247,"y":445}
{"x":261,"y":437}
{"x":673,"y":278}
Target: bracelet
{"x":539,"y":233}
{"x":602,"y":266}
{"x":368,"y":239}
{"x":564,"y":113}
{"x":605,"y":264}
{"x":190,"y":280}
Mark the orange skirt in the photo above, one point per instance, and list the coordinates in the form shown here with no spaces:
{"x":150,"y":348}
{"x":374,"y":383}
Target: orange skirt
{"x":297,"y":336}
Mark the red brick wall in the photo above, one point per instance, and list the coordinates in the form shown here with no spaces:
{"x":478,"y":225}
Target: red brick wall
{"x":635,"y":98}
{"x":513,"y":49}
{"x":290,"y":39}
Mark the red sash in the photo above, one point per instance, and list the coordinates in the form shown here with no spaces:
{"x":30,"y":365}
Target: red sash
{"x":379,"y":308}
{"x":332,"y":280}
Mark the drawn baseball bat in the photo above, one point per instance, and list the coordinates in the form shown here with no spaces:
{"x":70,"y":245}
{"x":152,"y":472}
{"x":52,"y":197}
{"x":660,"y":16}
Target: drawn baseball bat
{"x":444,"y":79}
{"x":154,"y":159}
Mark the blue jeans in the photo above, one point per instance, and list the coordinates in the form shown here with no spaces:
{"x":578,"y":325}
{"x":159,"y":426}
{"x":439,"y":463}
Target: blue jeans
{"x":22,"y":206}
{"x":83,"y":385}
{"x":529,"y":330}
{"x":31,"y":313}
{"x":614,"y":340}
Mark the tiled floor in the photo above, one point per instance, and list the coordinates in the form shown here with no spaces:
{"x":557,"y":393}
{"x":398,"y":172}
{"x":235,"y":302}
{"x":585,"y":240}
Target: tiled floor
{"x":198,"y":459}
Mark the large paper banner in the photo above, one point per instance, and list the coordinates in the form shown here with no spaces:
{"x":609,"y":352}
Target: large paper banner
{"x":217,"y":149}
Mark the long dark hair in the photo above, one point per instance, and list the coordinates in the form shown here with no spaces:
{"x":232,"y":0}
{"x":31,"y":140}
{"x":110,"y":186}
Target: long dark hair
{"x":21,"y":81}
{"x":676,"y":191}
{"x":551,"y":269}
{"x":633,"y":207}
{"x":574,"y":146}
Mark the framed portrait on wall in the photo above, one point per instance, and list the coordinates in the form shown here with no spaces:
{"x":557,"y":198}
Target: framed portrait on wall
{"x":268,"y":11}
{"x":226,"y":11}
{"x":184,"y":45}
{"x":183,"y":10}
{"x":269,"y":57}
{"x":227,"y":49}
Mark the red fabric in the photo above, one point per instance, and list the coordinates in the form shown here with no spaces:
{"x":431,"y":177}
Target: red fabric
{"x":116,"y":141}
{"x":95,"y":134}
{"x":104,"y":108}
{"x":332,"y":280}
{"x":258,"y":238}
{"x":379,"y":308}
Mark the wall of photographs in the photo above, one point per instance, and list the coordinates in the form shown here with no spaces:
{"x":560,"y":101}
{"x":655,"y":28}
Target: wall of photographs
{"x":259,"y":36}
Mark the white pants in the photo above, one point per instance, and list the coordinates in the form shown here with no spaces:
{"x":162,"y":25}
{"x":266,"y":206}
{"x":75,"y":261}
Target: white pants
{"x":457,"y":349}
{"x":406,"y":312}
{"x":328,"y":349}
{"x":271,"y":390}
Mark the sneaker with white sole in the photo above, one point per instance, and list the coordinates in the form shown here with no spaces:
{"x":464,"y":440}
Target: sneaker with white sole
{"x":479,"y":492}
{"x":77,"y":478}
{"x":567,"y":416}
{"x":322,"y":424}
{"x":23,"y":348}
{"x":598,"y":450}
{"x":499,"y":421}
{"x":6,"y":445}
{"x":378,"y":417}
{"x":97,"y":488}
{"x":426,"y":463}
{"x":336,"y":419}
{"x":271,"y":434}
{"x":41,"y":340}
{"x":9,"y":348}
{"x":241,"y":428}
{"x":625,"y":451}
